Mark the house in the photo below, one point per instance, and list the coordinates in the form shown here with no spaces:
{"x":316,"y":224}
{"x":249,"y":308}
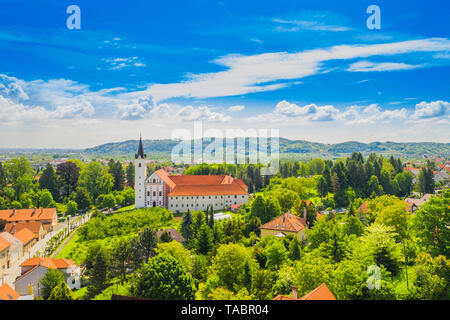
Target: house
{"x":4,"y":255}
{"x":414,"y":204}
{"x":47,"y":216}
{"x":285,"y":224}
{"x":173,"y":233}
{"x":35,"y":227}
{"x":8,"y":293}
{"x":33,"y":269}
{"x":27,"y":238}
{"x":182,"y":192}
{"x":16,"y":247}
{"x":236,"y":207}
{"x":320,"y":293}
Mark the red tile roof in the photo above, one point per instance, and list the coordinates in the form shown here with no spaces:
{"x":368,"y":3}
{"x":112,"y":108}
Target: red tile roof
{"x":4,"y":244}
{"x":286,"y":222}
{"x":13,"y":228}
{"x":25,"y":235}
{"x":8,"y":293}
{"x":48,"y":262}
{"x":28,"y":214}
{"x":320,"y":293}
{"x":207,"y":190}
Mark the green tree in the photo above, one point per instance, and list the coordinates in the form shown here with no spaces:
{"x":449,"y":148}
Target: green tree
{"x":82,"y":198}
{"x":45,"y":199}
{"x":93,"y":179}
{"x":61,"y":292}
{"x":72,"y":208}
{"x":186,"y":226}
{"x":50,"y":281}
{"x":120,"y":257}
{"x":130,"y":175}
{"x":204,"y":240}
{"x":164,"y":278}
{"x":431,"y":222}
{"x":276,"y":255}
{"x":48,"y":181}
{"x":67,"y":174}
{"x":99,"y":274}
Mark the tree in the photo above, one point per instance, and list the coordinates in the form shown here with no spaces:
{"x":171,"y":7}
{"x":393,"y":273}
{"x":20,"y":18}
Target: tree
{"x":45,"y":199}
{"x":294,"y":249}
{"x":374,"y":188}
{"x":82,"y":198}
{"x":186,"y":226}
{"x":61,"y":292}
{"x":425,"y":179}
{"x":143,"y":246}
{"x":322,"y":187}
{"x":405,"y":183}
{"x":262,"y":284}
{"x":276,"y":255}
{"x":165,"y":236}
{"x":178,"y":251}
{"x":3,"y":177}
{"x":68,"y":174}
{"x":48,"y":181}
{"x":99,"y":274}
{"x":50,"y":281}
{"x":116,"y":171}
{"x":353,"y":226}
{"x":121,"y":255}
{"x":92,"y":178}
{"x":108,"y":201}
{"x":72,"y":208}
{"x":431,"y":222}
{"x":204,"y":240}
{"x":164,"y":278}
{"x":130,"y":175}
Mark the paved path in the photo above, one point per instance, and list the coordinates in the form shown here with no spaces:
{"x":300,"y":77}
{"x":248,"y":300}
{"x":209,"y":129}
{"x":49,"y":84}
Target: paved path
{"x":14,"y":271}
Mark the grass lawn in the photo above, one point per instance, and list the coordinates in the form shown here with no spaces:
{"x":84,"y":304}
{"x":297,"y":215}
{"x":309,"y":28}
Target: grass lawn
{"x":127,"y":208}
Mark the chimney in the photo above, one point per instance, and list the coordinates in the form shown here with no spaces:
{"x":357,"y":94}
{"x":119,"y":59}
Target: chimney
{"x":284,"y":216}
{"x":294,"y":292}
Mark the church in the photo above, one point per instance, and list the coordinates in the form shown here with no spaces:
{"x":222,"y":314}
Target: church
{"x":179,"y":193}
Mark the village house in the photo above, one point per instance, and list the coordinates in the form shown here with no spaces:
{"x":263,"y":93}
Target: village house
{"x":414,"y":204}
{"x":15,"y":249}
{"x":27,"y":238}
{"x":180,"y":193}
{"x":4,"y":255}
{"x":283,"y":225}
{"x":320,"y":293}
{"x":8,"y":293}
{"x":33,"y":269}
{"x":47,"y":216}
{"x":35,"y":227}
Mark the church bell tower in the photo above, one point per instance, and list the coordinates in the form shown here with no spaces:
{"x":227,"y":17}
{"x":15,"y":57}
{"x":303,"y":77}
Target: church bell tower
{"x":140,"y":174}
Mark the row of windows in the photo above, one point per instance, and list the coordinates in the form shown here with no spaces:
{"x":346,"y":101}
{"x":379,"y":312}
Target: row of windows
{"x":192,"y":205}
{"x":154,"y":193}
{"x":209,"y":197}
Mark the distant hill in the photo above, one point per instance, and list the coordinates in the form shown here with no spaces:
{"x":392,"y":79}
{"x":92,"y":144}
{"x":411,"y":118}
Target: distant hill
{"x":289,"y":149}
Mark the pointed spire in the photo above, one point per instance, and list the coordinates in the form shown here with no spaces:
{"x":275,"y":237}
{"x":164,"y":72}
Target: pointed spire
{"x":140,"y":153}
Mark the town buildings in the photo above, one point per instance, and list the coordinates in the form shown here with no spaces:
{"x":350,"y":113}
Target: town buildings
{"x":33,"y":269}
{"x":182,"y":192}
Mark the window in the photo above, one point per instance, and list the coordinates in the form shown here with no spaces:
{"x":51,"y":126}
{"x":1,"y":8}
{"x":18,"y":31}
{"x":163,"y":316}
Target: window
{"x":154,"y":193}
{"x":160,"y":193}
{"x":154,"y":180}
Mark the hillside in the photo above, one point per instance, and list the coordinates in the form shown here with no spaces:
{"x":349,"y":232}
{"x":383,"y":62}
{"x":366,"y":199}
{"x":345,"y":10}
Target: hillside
{"x":292,"y":149}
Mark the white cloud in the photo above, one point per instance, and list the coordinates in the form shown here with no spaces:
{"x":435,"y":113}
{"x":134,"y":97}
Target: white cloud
{"x":296,"y":25}
{"x":236,"y":108}
{"x":367,"y":66}
{"x":120,"y":63}
{"x":432,"y":109}
{"x":202,"y":113}
{"x":267,"y":71}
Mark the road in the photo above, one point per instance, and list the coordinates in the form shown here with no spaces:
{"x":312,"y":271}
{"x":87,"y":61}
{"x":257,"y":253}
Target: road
{"x":14,"y":271}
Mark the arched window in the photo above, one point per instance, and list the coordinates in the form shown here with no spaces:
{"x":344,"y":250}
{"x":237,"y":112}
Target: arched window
{"x":140,"y":165}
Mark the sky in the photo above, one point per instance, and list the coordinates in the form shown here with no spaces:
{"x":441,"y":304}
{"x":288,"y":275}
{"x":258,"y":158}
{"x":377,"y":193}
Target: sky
{"x":311,"y":69}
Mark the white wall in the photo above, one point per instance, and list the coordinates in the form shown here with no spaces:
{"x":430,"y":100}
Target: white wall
{"x":140,"y":172}
{"x":182,"y":203}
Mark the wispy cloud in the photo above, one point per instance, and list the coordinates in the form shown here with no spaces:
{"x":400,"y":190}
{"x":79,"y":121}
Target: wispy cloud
{"x":367,"y":66}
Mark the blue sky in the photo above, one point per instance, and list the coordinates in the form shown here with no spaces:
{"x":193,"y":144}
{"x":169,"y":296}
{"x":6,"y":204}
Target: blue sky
{"x":311,"y":69}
